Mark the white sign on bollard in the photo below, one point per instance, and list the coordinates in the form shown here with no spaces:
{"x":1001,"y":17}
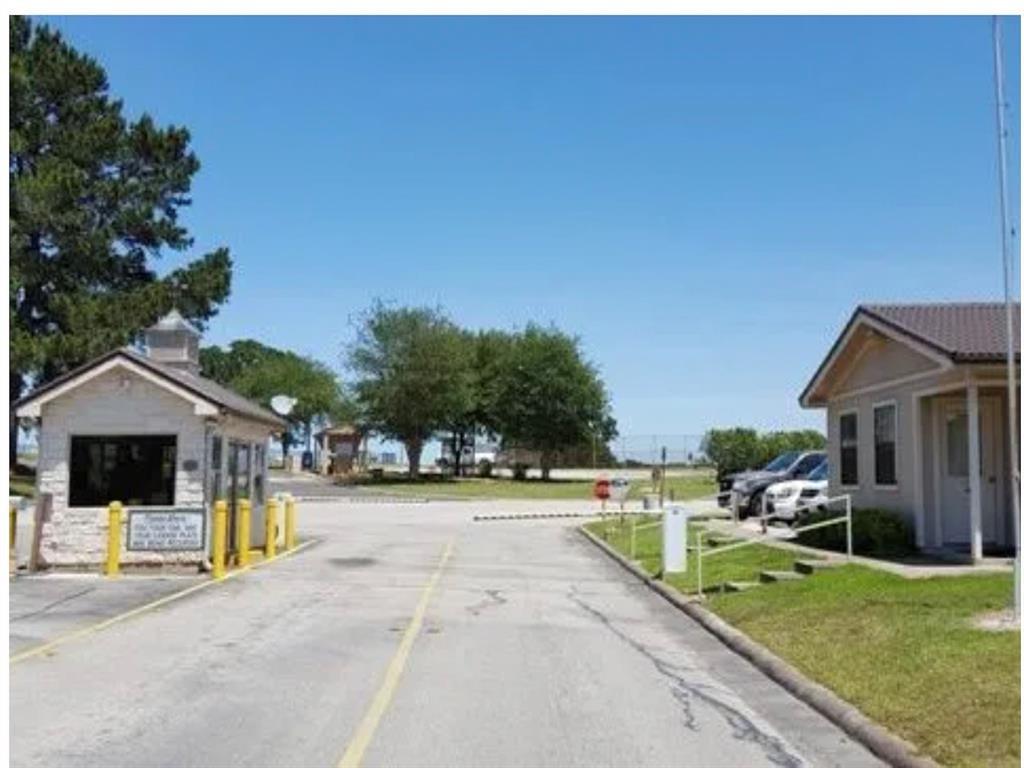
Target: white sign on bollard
{"x":619,"y":490}
{"x":673,"y":540}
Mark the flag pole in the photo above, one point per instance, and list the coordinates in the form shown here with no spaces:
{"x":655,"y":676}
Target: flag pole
{"x":1011,"y":391}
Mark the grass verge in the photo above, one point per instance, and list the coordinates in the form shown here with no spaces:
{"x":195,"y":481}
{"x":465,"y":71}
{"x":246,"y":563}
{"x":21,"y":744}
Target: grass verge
{"x":901,"y":650}
{"x":683,"y":487}
{"x":22,"y":481}
{"x":743,"y":564}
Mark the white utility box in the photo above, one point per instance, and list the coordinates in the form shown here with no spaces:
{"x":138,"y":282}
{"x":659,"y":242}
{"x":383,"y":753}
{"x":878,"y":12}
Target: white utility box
{"x":673,"y":539}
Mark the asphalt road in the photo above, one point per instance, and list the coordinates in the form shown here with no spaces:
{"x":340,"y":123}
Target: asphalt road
{"x":412,"y":636}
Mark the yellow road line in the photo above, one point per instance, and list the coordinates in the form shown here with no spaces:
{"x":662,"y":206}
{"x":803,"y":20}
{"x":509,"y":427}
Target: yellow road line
{"x":94,"y":628}
{"x":353,"y":756}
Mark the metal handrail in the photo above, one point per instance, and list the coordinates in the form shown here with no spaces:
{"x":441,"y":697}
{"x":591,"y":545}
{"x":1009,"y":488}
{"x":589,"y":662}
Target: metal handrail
{"x":653,"y":524}
{"x":846,"y":518}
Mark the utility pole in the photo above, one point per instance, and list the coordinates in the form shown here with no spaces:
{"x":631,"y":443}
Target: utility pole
{"x":664,"y":468}
{"x":1008,"y":234}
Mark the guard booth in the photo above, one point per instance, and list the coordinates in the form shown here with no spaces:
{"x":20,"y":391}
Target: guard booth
{"x":147,"y":430}
{"x":338,"y":449}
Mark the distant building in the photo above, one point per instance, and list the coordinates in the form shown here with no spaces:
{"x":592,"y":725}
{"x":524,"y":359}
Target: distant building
{"x":146,"y":430}
{"x":338,"y":449}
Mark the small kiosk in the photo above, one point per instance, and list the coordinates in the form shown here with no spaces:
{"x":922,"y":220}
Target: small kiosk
{"x":338,"y":449}
{"x":147,"y":430}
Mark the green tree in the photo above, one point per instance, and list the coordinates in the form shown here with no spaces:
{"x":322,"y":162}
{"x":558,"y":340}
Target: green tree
{"x":415,"y":373}
{"x":547,"y":397}
{"x":94,"y":200}
{"x":771,"y":444}
{"x":485,"y":349}
{"x":737,"y":449}
{"x":260,"y":372}
{"x":732,"y":450}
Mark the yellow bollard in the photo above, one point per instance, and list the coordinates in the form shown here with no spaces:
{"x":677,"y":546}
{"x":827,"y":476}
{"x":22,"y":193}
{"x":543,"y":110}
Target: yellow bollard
{"x":289,"y":523}
{"x":113,"y":539}
{"x":244,"y":539}
{"x":220,"y":537}
{"x":270,"y":549}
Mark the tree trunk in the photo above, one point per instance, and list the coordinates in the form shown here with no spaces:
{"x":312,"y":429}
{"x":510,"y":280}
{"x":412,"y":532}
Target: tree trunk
{"x":458,"y":441}
{"x":545,"y":466}
{"x":17,"y":383}
{"x":13,"y":438}
{"x":414,"y":448}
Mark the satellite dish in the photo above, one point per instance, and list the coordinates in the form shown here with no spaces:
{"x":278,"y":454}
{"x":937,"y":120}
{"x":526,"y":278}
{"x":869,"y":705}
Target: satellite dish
{"x":282,"y":404}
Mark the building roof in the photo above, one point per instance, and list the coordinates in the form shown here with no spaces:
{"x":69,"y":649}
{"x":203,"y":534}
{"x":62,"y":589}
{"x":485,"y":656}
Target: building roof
{"x":204,"y":388}
{"x":957,"y":332}
{"x":964,"y":332}
{"x":173,"y":321}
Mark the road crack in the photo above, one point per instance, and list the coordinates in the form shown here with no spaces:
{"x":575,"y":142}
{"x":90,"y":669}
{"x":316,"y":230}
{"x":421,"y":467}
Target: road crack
{"x":493,"y":598}
{"x":686,"y":693}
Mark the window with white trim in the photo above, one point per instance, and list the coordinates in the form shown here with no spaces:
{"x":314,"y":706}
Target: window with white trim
{"x":885,"y":444}
{"x":848,"y":449}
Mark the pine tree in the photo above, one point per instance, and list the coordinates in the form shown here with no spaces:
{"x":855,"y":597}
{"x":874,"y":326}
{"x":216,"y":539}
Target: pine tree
{"x":94,"y":201}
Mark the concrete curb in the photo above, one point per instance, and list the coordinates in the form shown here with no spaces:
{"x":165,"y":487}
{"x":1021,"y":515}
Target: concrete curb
{"x":363,"y":499}
{"x":550,"y":515}
{"x":881,"y":741}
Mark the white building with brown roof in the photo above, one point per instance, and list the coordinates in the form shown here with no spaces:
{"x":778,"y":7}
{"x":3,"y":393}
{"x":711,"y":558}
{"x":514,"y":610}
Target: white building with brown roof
{"x":917,"y":420}
{"x":146,"y":430}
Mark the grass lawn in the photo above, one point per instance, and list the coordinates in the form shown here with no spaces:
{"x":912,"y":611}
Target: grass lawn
{"x":22,"y":481}
{"x":901,"y":650}
{"x":743,"y":564}
{"x":684,"y":487}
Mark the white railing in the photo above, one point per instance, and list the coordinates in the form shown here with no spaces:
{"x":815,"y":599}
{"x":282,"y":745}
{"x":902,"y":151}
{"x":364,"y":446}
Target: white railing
{"x":846,"y":518}
{"x":632,"y":515}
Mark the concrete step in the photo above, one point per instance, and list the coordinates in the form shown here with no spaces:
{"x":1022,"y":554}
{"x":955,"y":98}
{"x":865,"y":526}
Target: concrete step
{"x":807,"y":567}
{"x":740,"y":586}
{"x":720,"y":540}
{"x":769,"y":577}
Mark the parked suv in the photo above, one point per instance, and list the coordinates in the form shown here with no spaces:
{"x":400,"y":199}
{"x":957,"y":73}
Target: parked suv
{"x":749,"y":486}
{"x":790,"y":499}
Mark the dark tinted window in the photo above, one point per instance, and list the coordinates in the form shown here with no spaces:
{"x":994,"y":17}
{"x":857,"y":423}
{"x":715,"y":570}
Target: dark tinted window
{"x":137,"y":470}
{"x":819,"y":473}
{"x":807,"y":463}
{"x":885,"y":445}
{"x":782,"y":462}
{"x":848,"y":449}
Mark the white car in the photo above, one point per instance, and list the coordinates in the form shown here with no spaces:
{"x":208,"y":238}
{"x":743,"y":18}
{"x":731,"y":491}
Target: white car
{"x":788,"y":499}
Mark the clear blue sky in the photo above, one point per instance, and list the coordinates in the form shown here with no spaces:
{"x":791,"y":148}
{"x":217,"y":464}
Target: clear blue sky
{"x":702,"y":200}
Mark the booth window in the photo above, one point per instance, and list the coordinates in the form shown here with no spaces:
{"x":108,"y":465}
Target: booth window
{"x":137,"y":470}
{"x":848,"y":449}
{"x":258,"y":470}
{"x":216,"y":462}
{"x":885,"y":445}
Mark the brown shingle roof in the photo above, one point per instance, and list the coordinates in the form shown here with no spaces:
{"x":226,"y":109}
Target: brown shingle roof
{"x":967,"y":332}
{"x":205,"y":388}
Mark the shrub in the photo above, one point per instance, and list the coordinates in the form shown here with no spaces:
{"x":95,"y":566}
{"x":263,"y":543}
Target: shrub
{"x":876,"y":533}
{"x":484,"y":468}
{"x":519,"y":470}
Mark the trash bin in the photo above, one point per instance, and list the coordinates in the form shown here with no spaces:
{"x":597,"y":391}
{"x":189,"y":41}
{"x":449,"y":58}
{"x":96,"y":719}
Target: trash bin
{"x":307,"y":460}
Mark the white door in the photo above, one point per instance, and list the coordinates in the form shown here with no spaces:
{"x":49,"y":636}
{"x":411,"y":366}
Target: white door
{"x":954,"y":486}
